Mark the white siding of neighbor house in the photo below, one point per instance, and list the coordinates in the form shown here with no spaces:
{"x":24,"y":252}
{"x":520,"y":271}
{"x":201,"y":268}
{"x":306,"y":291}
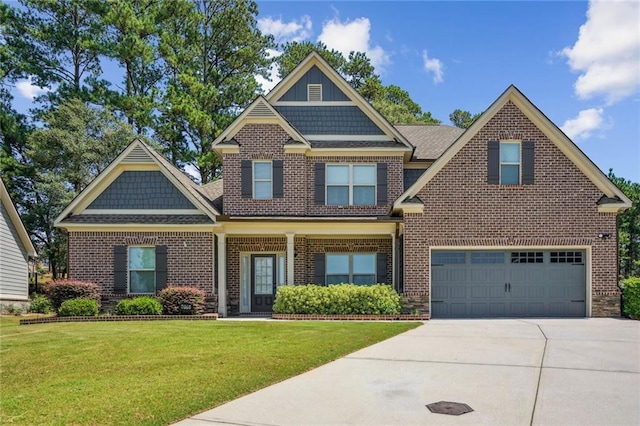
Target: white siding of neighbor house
{"x":14,"y":267}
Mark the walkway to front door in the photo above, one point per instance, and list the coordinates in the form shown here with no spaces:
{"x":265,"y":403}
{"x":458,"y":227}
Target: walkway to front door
{"x":263,"y":282}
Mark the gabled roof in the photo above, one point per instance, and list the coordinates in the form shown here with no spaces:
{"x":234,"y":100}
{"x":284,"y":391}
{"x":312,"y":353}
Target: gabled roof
{"x":552,"y":131}
{"x":430,"y":141}
{"x":15,"y":220}
{"x":259,"y":111}
{"x":315,"y":59}
{"x":137,"y":152}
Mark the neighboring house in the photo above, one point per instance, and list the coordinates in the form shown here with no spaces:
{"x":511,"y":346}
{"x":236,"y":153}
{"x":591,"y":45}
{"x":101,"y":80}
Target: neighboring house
{"x":507,"y":218}
{"x":15,"y":250}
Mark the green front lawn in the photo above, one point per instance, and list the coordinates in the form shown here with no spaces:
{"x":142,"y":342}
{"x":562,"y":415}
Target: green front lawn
{"x":158,"y":372}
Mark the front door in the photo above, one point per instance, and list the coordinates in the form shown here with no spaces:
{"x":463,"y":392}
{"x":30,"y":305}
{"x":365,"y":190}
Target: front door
{"x":263,"y":282}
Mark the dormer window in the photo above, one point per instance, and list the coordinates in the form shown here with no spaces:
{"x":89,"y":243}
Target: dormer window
{"x":314,"y":92}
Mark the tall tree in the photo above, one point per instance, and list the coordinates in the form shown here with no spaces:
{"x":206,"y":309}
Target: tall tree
{"x":213,"y":61}
{"x":58,"y":45}
{"x":394,"y":103}
{"x":132,"y":33}
{"x":628,"y":228}
{"x":463,"y":119}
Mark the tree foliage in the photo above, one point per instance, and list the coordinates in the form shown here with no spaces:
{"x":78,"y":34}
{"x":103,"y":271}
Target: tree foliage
{"x":463,"y":119}
{"x":628,"y":228}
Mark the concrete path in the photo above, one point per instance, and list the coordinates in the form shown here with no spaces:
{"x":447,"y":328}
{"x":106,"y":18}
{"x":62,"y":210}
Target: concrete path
{"x":511,"y":372}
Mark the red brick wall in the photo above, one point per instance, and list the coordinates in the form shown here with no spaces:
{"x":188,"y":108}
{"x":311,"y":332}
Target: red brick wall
{"x":190,"y":258}
{"x":461,"y":209}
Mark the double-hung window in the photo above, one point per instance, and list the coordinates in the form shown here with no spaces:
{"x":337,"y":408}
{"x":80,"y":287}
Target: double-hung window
{"x":351,"y":184}
{"x":510,"y":161}
{"x":354,"y":268}
{"x":142,"y":269}
{"x":262,"y":180}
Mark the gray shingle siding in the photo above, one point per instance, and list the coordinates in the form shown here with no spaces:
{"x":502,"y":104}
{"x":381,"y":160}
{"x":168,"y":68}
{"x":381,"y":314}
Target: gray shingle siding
{"x":329,"y":120}
{"x":330,"y":92}
{"x":141,"y":190}
{"x":410,"y":176}
{"x":164,"y":219}
{"x":13,"y":260}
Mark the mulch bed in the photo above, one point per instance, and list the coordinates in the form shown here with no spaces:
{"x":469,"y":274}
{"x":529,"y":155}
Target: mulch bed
{"x":107,"y":318}
{"x":313,"y":317}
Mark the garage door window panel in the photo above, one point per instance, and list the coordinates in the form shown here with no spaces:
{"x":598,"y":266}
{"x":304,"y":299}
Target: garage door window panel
{"x":574,"y":257}
{"x":487,"y":257}
{"x":448,"y":258}
{"x":527,"y":257}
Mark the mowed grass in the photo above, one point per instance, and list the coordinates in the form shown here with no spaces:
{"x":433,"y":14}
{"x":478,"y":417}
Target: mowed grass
{"x":155,"y":373}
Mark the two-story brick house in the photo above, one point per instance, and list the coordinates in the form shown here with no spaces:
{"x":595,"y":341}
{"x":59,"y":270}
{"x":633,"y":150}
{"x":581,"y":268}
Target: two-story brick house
{"x":507,"y":218}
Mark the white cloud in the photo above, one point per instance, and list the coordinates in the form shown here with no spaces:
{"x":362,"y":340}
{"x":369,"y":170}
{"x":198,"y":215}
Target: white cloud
{"x":267,"y":85}
{"x":27,"y":89}
{"x":295,"y":30}
{"x":607,"y":52}
{"x":353,"y":35}
{"x":586,"y":122}
{"x":433,"y":66}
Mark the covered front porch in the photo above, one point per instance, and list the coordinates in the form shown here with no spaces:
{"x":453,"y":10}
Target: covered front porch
{"x":256,"y":256}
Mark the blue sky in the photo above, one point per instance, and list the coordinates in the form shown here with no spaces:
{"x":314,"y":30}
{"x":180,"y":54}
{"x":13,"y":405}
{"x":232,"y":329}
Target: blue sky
{"x":579,"y":62}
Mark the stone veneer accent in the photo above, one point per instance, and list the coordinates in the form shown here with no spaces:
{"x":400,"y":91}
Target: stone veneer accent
{"x":559,"y":209}
{"x":190,"y":260}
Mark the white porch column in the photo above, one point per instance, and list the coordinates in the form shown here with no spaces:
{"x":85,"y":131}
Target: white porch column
{"x":222,"y":275}
{"x":290,"y":257}
{"x":393,"y":260}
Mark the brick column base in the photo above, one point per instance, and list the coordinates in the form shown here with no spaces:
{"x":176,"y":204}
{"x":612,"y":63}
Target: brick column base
{"x":605,"y":306}
{"x":415,"y":303}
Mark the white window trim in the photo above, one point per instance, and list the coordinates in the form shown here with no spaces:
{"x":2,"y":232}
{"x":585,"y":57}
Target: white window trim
{"x":314,"y":86}
{"x":508,"y":163}
{"x":350,"y":273}
{"x":351,"y":184}
{"x":147,"y":270}
{"x":254,"y":180}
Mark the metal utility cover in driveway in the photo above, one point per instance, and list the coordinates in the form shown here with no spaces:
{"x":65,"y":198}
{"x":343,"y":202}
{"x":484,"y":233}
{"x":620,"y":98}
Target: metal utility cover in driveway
{"x":450,"y":408}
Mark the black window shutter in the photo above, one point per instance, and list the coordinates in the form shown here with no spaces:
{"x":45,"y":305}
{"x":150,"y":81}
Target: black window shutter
{"x":382,"y":184}
{"x":161,"y":267}
{"x":246,"y":178}
{"x":493,"y":163}
{"x":319,"y":261}
{"x":278,"y":185}
{"x":120,"y":269}
{"x":319,"y":183}
{"x":381,"y":268}
{"x":528,"y":154}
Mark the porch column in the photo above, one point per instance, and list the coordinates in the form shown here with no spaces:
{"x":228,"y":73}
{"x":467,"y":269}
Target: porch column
{"x":393,"y":260}
{"x":290,"y":256}
{"x":222,"y":275}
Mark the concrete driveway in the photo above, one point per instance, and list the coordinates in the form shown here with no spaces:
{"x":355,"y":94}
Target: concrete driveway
{"x":511,"y":372}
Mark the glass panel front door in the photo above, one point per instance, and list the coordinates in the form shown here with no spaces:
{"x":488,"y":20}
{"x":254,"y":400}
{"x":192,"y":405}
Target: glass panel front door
{"x":263,"y":282}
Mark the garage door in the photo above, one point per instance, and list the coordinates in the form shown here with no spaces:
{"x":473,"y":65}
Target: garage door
{"x":534,"y":283}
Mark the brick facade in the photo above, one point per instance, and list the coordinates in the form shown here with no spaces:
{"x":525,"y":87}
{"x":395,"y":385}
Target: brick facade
{"x":559,"y":209}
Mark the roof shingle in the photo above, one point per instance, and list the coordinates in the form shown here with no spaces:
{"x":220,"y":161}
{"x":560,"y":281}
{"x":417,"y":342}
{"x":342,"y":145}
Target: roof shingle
{"x":430,"y":141}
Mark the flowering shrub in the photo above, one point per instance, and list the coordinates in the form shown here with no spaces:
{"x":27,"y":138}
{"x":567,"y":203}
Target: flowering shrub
{"x":182,"y":300}
{"x":61,"y":290}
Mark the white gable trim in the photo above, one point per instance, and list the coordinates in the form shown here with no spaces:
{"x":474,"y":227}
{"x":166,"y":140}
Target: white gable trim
{"x":249,"y":116}
{"x":568,"y":148}
{"x":315,"y":59}
{"x":16,"y":221}
{"x":117,"y":166}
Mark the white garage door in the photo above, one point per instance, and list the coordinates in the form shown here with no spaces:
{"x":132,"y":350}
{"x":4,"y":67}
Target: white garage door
{"x":524,"y":283}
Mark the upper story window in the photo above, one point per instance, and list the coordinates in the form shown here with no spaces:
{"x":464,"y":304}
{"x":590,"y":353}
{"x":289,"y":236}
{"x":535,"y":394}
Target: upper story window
{"x":262,"y":180}
{"x":314,"y":92}
{"x":510,"y":161}
{"x":142,"y":269}
{"x":351,"y":184}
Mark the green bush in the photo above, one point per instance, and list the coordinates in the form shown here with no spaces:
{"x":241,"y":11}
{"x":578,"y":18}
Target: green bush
{"x":143,"y":305}
{"x":40,"y":304}
{"x":338,"y":299}
{"x":175,"y":300}
{"x":80,"y":307}
{"x":631,"y":297}
{"x":11,"y":309}
{"x":62,"y":290}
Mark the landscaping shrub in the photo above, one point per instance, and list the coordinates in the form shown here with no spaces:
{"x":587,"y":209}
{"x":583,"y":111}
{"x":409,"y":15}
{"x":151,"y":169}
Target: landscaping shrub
{"x":79,"y":307}
{"x":338,"y":299}
{"x":40,"y":304}
{"x":175,"y":300}
{"x":11,"y":309}
{"x":631,"y":297}
{"x":143,"y":305}
{"x":61,"y":290}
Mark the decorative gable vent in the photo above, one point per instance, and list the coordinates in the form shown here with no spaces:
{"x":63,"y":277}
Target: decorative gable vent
{"x":260,"y":109}
{"x":314,"y":92}
{"x":137,"y":155}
